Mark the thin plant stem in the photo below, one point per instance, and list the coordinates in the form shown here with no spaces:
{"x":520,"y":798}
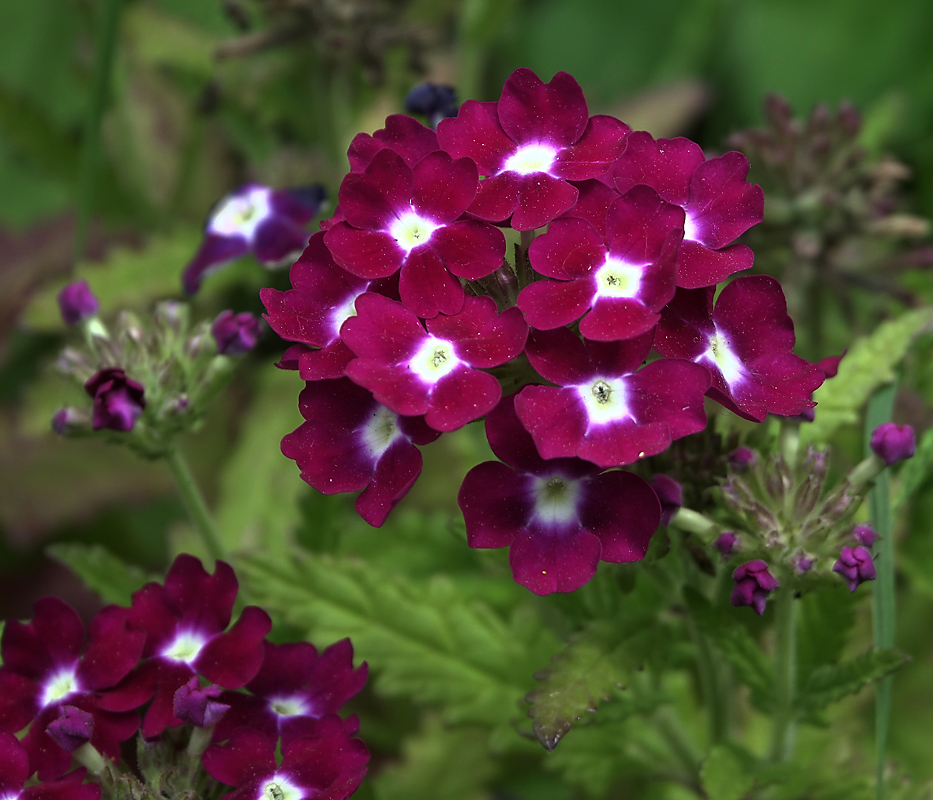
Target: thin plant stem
{"x":710,"y":685}
{"x":194,"y":503}
{"x":783,"y":730}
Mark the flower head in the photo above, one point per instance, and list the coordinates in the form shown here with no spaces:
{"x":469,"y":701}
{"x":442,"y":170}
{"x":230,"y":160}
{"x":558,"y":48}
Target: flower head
{"x":15,"y":768}
{"x":753,"y":585}
{"x":893,"y":443}
{"x":855,"y":565}
{"x":77,"y":302}
{"x":118,"y":400}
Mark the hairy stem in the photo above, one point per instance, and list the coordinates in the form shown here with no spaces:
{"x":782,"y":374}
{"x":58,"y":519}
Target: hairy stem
{"x":194,"y":502}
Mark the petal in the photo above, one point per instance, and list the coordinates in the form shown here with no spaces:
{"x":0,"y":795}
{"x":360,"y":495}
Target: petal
{"x":443,"y":188}
{"x":426,"y":287}
{"x":555,"y":418}
{"x":327,"y":363}
{"x":698,"y":266}
{"x":541,"y":199}
{"x":475,"y":132}
{"x":496,"y":197}
{"x":232,"y":659}
{"x":723,"y":205}
{"x":553,"y":113}
{"x":553,"y":304}
{"x":753,"y":312}
{"x":561,"y":562}
{"x":496,"y":504}
{"x":460,"y":397}
{"x":624,"y":512}
{"x":202,"y":599}
{"x":368,"y":254}
{"x":640,"y":225}
{"x":373,"y":200}
{"x":615,"y":318}
{"x":403,"y":134}
{"x":248,"y":756}
{"x":278,"y":240}
{"x":215,"y":251}
{"x":602,"y":143}
{"x":469,"y":248}
{"x":571,"y":248}
{"x":395,"y":474}
{"x":114,"y":648}
{"x":666,"y":165}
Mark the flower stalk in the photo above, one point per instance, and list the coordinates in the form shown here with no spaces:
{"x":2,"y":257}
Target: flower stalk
{"x":784,"y":729}
{"x":194,"y":502}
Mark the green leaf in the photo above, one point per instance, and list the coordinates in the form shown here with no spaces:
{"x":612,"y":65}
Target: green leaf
{"x":827,"y":616}
{"x":723,"y":775}
{"x":828,"y":684}
{"x":101,"y":571}
{"x":868,"y":365}
{"x":422,"y":638}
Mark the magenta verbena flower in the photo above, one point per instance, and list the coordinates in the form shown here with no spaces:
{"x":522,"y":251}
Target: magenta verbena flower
{"x":746,"y":342}
{"x":559,"y":517}
{"x":186,"y":623}
{"x":855,"y":565}
{"x":753,"y":585}
{"x":352,"y":442}
{"x":604,"y":408}
{"x":49,"y":664}
{"x":118,"y":400}
{"x":893,"y":443}
{"x":77,"y":302}
{"x":15,"y":769}
{"x":329,"y":766}
{"x":293,"y":690}
{"x":407,"y":220}
{"x":322,"y":297}
{"x":622,"y":281}
{"x":720,"y":204}
{"x":269,"y":223}
{"x":432,"y":371}
{"x":529,"y":145}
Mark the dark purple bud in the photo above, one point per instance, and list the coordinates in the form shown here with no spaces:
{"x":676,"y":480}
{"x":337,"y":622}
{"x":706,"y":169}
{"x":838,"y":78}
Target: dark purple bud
{"x":118,"y":400}
{"x":741,"y":459}
{"x":77,"y":303}
{"x":435,"y":100}
{"x":72,"y":729}
{"x":802,"y":563}
{"x":671,"y":495}
{"x":197,"y":705}
{"x":893,"y":443}
{"x":865,"y":535}
{"x":725,"y":542}
{"x":753,"y":584}
{"x":68,"y":419}
{"x":235,"y":334}
{"x":855,"y":565}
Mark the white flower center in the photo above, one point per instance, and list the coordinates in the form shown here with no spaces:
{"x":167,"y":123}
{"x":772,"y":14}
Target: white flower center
{"x":380,"y":432}
{"x":531,"y":158}
{"x":185,"y":648}
{"x":63,"y":683}
{"x":556,"y":500}
{"x":281,"y":789}
{"x":342,"y":313}
{"x":690,"y":229}
{"x":411,"y":231}
{"x":617,"y":279}
{"x":241,"y":215}
{"x":604,"y":399}
{"x":288,"y":706}
{"x":434,"y":360}
{"x":722,"y":357}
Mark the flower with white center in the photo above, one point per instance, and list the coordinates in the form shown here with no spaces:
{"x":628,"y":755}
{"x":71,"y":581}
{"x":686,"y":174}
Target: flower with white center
{"x":434,"y":360}
{"x":721,"y":356}
{"x":531,"y":158}
{"x":556,"y":499}
{"x":240,"y":215}
{"x":411,"y":231}
{"x":59,"y":686}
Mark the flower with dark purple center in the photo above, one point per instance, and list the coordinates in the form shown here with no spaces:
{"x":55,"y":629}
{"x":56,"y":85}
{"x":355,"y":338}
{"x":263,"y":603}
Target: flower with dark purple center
{"x":198,"y":705}
{"x":865,"y":535}
{"x":436,"y":101}
{"x":746,"y":342}
{"x":720,"y":204}
{"x":407,"y":220}
{"x":77,"y":302}
{"x":351,"y":442}
{"x":893,"y":443}
{"x":855,"y":565}
{"x":294,"y":689}
{"x":118,"y":400}
{"x":529,"y":145}
{"x":753,"y":585}
{"x":15,"y":769}
{"x":620,"y":283}
{"x":559,"y":517}
{"x":671,"y":495}
{"x":269,"y":223}
{"x":432,"y":371}
{"x":602,"y":409}
{"x":186,"y":623}
{"x":235,"y":334}
{"x":725,"y":543}
{"x":329,"y":766}
{"x":49,"y":665}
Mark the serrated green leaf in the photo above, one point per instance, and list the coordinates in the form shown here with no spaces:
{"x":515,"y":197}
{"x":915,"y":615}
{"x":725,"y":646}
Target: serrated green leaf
{"x":724,"y":776}
{"x":101,"y":571}
{"x":828,"y":684}
{"x":422,"y":638}
{"x":916,"y":471}
{"x":868,"y":365}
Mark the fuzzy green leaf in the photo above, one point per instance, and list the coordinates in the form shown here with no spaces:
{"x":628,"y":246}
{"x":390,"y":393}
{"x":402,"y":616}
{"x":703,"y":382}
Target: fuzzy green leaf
{"x":828,"y":684}
{"x":724,"y":776}
{"x":101,"y":571}
{"x":868,"y":365}
{"x":422,"y":638}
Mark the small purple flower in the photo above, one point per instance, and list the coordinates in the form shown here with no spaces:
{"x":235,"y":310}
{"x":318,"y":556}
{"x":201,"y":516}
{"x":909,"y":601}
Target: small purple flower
{"x":15,"y":768}
{"x":198,"y":705}
{"x":741,"y":459}
{"x":118,"y":400}
{"x":802,"y":563}
{"x":235,"y":334}
{"x":893,"y":443}
{"x":77,"y":303}
{"x":725,"y":543}
{"x":436,"y":101}
{"x":269,"y":223}
{"x":68,"y":419}
{"x":855,"y":565}
{"x":753,"y":585}
{"x":72,"y":729}
{"x":671,"y":495}
{"x":865,"y":535}
{"x":559,"y":518}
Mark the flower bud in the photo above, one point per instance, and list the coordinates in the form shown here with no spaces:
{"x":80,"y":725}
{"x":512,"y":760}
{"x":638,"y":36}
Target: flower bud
{"x":671,"y":495}
{"x":197,"y":705}
{"x":855,"y":565}
{"x":434,"y":100}
{"x":725,"y":542}
{"x":72,"y":729}
{"x":69,"y":420}
{"x":893,"y":443}
{"x":235,"y":334}
{"x":865,"y":535}
{"x":118,"y":400}
{"x":802,"y":563}
{"x":741,"y":459}
{"x":753,"y":584}
{"x":77,"y":303}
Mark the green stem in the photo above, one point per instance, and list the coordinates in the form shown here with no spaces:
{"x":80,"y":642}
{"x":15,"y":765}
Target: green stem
{"x":783,"y":731}
{"x":713,"y":696}
{"x":194,"y":502}
{"x":693,"y":522}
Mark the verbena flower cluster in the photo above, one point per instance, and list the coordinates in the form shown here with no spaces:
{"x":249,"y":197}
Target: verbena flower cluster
{"x":408,"y":321}
{"x":172,"y":658}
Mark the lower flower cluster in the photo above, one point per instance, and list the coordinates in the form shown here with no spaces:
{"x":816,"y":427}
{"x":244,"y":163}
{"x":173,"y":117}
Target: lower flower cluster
{"x":69,"y":697}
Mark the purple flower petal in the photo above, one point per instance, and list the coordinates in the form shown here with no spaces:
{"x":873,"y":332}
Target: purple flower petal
{"x":232,"y":659}
{"x":476,"y":133}
{"x":403,"y":134}
{"x":666,"y":165}
{"x":215,"y":252}
{"x":554,"y":113}
{"x":278,"y":241}
{"x":593,"y":154}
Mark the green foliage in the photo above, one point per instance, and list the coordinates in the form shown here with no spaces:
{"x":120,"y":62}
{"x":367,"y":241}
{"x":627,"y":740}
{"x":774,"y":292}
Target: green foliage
{"x":101,"y":571}
{"x":916,"y":471}
{"x":868,"y":365}
{"x":422,"y":638}
{"x":829,"y":684}
{"x":825,"y":623}
{"x":724,"y":776}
